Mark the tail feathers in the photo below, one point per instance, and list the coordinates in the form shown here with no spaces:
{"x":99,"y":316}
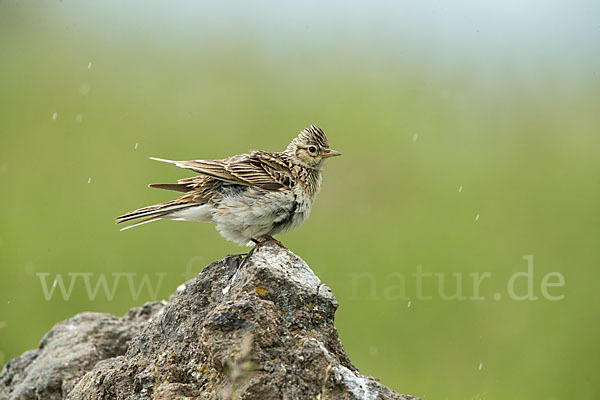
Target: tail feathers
{"x":178,"y":187}
{"x":154,"y":212}
{"x":145,"y":221}
{"x":163,"y":160}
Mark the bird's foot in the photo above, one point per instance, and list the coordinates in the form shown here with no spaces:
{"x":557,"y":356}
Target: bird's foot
{"x":264,"y":239}
{"x":259,"y":243}
{"x":269,"y":238}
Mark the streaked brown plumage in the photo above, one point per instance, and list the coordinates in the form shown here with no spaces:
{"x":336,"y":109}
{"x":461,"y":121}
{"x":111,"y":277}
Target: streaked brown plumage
{"x":250,"y":197}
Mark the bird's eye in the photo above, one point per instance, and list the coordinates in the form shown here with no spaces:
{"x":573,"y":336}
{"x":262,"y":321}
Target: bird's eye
{"x":312,"y":149}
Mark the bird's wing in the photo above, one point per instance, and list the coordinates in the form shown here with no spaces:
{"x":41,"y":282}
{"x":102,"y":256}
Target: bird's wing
{"x":261,"y":169}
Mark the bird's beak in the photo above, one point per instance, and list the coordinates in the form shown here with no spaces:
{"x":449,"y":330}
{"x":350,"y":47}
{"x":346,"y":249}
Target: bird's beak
{"x":330,"y":153}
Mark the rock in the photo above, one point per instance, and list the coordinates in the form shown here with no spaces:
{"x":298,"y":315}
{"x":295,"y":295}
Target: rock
{"x":68,"y":351}
{"x":260,"y":328}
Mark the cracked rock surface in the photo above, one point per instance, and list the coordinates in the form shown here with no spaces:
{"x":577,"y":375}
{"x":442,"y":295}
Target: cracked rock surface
{"x":255,"y":329}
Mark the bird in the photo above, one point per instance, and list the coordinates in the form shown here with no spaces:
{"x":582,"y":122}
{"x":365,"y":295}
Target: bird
{"x":250,"y":197}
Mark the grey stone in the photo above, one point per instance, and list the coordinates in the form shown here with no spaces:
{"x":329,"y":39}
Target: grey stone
{"x":68,"y":351}
{"x":255,"y":328}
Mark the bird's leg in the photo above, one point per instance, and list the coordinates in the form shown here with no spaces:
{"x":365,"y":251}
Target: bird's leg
{"x":248,"y":255}
{"x":257,"y":244}
{"x":272,"y":239}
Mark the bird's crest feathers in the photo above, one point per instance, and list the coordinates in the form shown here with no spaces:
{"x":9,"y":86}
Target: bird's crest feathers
{"x":310,"y":135}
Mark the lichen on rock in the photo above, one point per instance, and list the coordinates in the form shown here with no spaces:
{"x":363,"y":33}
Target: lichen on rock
{"x":255,"y":328}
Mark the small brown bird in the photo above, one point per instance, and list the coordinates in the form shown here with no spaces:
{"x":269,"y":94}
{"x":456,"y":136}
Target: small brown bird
{"x":250,"y":197}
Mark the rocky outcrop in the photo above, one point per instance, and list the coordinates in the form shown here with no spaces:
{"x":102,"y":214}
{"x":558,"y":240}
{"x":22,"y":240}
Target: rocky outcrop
{"x":254,"y":328}
{"x":68,"y":351}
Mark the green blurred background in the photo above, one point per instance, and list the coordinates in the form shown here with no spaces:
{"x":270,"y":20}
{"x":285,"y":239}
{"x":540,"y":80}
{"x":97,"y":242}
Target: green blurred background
{"x":501,"y":99}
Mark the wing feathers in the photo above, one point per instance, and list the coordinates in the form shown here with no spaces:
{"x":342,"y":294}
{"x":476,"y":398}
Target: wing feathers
{"x":268,"y":171}
{"x":258,"y":168}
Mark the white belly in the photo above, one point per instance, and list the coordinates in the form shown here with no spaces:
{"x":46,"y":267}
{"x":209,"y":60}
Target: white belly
{"x":250,"y":215}
{"x":256,"y":213}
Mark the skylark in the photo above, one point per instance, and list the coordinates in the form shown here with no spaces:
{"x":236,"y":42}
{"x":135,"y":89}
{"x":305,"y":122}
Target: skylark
{"x":251,"y":197}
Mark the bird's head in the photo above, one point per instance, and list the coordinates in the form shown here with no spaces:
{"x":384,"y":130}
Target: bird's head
{"x":311,"y":148}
